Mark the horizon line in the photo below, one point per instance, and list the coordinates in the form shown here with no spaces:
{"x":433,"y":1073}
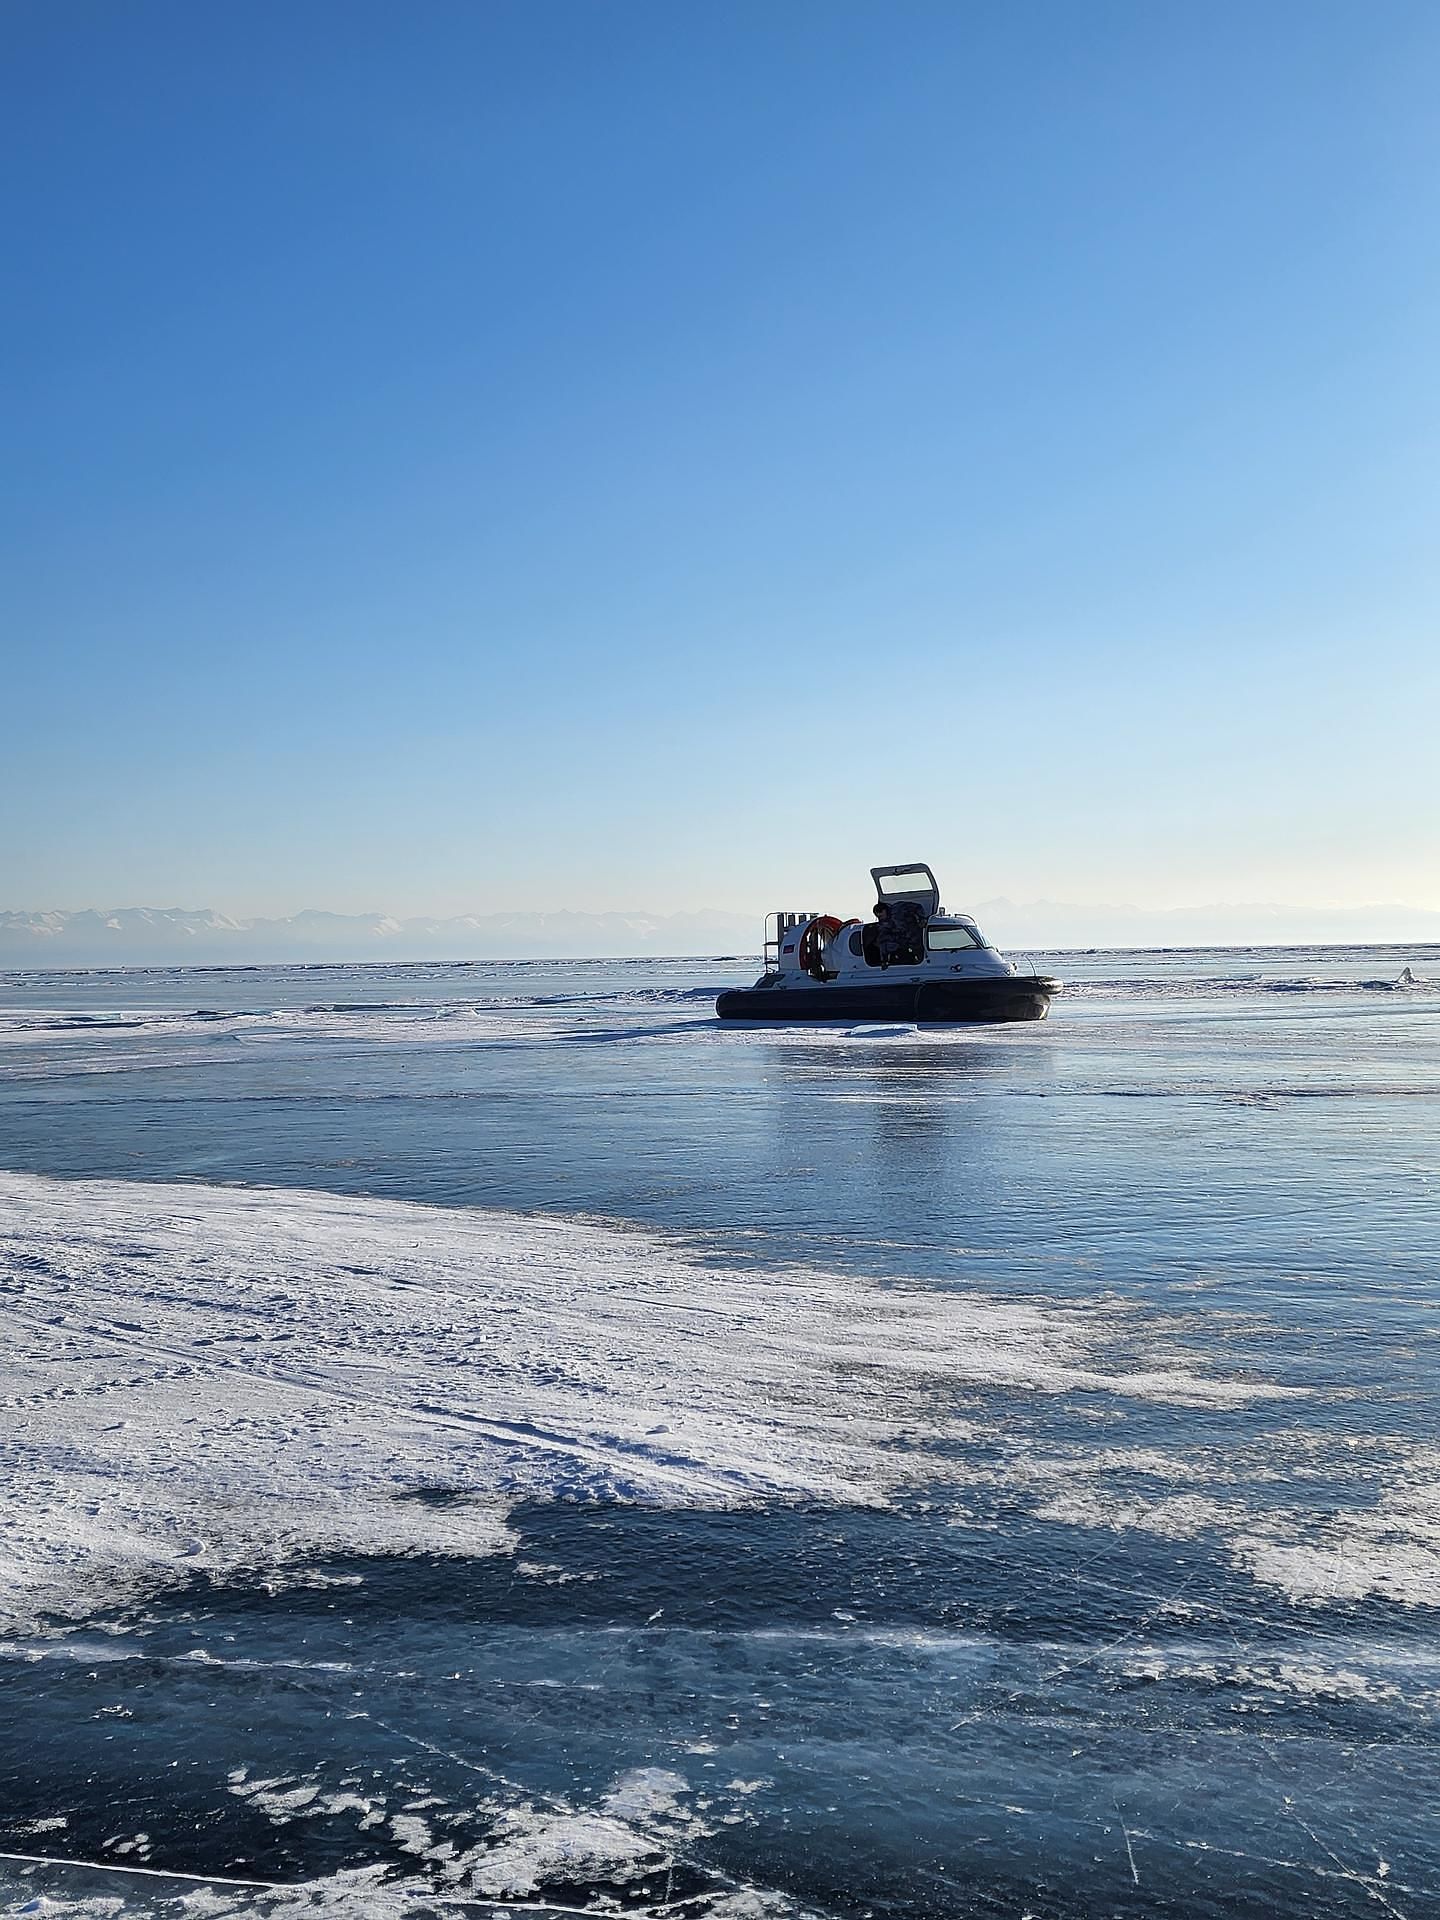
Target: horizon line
{"x":650,"y":959}
{"x":242,"y":920}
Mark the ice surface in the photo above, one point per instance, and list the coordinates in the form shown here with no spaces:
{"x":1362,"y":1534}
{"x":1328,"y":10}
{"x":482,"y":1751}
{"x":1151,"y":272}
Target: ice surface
{"x":218,"y":1378}
{"x":991,"y":1472}
{"x":491,"y":1751}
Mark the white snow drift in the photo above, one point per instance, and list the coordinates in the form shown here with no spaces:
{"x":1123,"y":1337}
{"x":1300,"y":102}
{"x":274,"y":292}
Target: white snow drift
{"x":224,"y":1378}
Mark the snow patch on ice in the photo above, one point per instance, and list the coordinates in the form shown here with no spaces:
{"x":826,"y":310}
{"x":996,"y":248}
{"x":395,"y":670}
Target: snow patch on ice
{"x":1288,"y":1677}
{"x":535,"y":1847}
{"x":1169,"y":1517}
{"x":649,"y":1793}
{"x":1390,"y":1551}
{"x":279,"y":1799}
{"x":228,"y":1379}
{"x":1407,"y":1572}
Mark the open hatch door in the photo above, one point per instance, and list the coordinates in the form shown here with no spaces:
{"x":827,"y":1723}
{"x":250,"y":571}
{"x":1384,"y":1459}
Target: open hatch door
{"x":911,"y":881}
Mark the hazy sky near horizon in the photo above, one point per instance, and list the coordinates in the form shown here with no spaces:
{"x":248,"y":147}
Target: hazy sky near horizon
{"x":482,"y":455}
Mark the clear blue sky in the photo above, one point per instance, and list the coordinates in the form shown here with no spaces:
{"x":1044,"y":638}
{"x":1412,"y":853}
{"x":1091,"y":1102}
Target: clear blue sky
{"x":473,"y":455}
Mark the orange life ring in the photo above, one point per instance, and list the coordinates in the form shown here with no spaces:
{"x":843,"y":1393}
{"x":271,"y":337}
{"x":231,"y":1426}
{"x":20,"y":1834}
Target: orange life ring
{"x":817,"y":935}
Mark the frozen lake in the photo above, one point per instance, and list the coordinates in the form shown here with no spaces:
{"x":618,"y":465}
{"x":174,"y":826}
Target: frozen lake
{"x":488,"y":1438}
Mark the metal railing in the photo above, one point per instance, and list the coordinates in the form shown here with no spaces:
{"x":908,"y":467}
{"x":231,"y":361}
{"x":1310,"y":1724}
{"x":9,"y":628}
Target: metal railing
{"x":782,"y":922}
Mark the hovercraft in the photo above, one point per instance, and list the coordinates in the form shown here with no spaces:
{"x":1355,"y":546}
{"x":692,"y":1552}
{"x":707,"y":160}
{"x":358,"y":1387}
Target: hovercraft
{"x":911,"y":962}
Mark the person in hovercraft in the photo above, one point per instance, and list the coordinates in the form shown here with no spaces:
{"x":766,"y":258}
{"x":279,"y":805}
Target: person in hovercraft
{"x":888,"y":940}
{"x":899,"y":933}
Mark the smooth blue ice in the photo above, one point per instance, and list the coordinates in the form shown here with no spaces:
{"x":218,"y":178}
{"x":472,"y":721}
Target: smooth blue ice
{"x":1130,"y":1607}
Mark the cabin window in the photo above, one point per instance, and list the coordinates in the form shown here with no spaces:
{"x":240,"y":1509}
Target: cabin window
{"x":857,"y":944}
{"x":901,"y":880}
{"x":953,"y":939}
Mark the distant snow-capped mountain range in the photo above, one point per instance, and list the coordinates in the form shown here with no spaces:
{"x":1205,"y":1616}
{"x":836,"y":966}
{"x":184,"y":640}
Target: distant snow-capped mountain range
{"x":173,"y":936}
{"x":176,"y":936}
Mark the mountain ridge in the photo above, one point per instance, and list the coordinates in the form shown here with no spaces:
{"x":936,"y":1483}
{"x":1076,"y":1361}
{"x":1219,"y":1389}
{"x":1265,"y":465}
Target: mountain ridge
{"x":170,"y":936}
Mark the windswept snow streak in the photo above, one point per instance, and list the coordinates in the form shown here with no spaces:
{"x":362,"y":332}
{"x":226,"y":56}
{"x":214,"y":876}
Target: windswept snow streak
{"x":220,"y":1378}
